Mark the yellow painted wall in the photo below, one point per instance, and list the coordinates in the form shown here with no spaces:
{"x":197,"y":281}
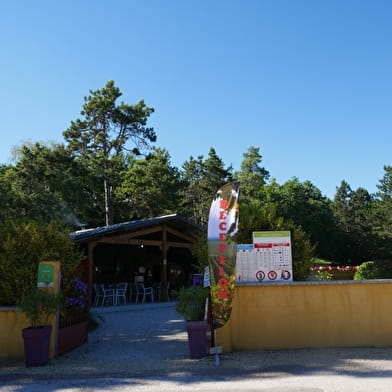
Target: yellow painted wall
{"x":309,"y":314}
{"x":11,"y":342}
{"x":12,"y":321}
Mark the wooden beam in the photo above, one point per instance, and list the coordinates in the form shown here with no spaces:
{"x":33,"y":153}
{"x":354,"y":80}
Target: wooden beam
{"x":145,"y":242}
{"x":128,"y":241}
{"x":171,"y":244}
{"x":144,"y":232}
{"x":180,"y":234}
{"x":124,"y":237}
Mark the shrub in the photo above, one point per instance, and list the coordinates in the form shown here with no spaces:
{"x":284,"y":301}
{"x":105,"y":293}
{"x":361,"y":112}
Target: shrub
{"x":191,"y":302}
{"x":319,"y":275}
{"x":260,"y":217}
{"x":39,"y":305}
{"x":378,"y":269}
{"x":22,"y":246}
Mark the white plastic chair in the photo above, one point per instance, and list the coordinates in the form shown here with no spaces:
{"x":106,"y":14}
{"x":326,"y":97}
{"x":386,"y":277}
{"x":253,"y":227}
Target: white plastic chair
{"x":144,"y":291}
{"x":121,"y":293}
{"x":157,"y":289}
{"x":132,"y":291}
{"x":98,"y":294}
{"x":109,"y":294}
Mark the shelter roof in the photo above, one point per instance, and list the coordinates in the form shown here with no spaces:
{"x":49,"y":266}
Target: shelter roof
{"x":176,"y":221}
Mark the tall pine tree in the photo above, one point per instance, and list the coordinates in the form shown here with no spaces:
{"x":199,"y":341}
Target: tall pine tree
{"x":104,"y":133}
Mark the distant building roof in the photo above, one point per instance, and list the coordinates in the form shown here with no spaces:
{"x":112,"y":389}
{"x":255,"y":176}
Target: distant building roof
{"x":176,"y":221}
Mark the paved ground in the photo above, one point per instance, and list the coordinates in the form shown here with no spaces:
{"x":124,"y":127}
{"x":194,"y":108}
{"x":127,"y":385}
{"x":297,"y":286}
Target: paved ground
{"x":144,"y":348}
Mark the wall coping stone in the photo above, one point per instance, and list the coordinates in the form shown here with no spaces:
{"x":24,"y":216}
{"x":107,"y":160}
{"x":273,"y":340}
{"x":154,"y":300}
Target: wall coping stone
{"x":313,"y":283}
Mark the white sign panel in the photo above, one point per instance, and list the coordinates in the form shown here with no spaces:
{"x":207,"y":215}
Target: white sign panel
{"x":206,"y":278}
{"x":245,"y":264}
{"x":268,"y":259}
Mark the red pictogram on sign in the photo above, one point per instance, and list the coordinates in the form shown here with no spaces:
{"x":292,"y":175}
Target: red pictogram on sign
{"x":260,"y":275}
{"x":272,"y":275}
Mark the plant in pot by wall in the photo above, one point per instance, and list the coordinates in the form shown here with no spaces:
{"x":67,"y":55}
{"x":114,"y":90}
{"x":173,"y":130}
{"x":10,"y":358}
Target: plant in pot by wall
{"x":191,"y":305}
{"x":39,"y":306}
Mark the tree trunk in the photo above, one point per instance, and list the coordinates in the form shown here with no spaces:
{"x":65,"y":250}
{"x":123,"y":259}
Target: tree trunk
{"x":108,"y":202}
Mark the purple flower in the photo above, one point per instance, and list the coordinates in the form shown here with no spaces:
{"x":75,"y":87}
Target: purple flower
{"x":79,"y":294}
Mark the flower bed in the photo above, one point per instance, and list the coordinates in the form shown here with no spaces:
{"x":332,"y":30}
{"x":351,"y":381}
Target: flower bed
{"x":338,"y":272}
{"x":335,"y":268}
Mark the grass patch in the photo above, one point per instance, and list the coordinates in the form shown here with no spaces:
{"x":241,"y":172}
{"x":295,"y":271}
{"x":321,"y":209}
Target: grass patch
{"x":319,"y":261}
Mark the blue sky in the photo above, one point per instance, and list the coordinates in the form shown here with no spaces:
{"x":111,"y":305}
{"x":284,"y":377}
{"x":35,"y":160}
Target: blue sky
{"x":309,"y":82}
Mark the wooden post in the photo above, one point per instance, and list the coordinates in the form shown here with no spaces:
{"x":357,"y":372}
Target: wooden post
{"x":163,"y":293}
{"x":90,"y":261}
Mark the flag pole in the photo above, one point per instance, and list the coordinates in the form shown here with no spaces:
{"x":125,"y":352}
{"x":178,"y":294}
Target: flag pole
{"x":217,"y":359}
{"x":222,"y":249}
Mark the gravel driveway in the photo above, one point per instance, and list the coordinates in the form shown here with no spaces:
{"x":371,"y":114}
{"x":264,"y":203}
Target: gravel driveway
{"x":144,"y":348}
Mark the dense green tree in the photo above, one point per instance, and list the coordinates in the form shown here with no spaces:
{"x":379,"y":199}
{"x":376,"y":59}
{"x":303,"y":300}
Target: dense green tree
{"x":149,"y":187}
{"x":215,"y":173}
{"x":341,"y":206}
{"x":354,"y":215}
{"x":47,"y":183}
{"x":383,"y":220}
{"x":35,"y":182}
{"x":258,"y":216}
{"x":7,"y":197}
{"x":385,"y":184}
{"x":304,"y":205}
{"x":382,"y":215}
{"x":252,"y":176}
{"x":23,"y":244}
{"x":201,"y":179}
{"x":192,"y":204}
{"x":104,"y":133}
{"x":30,"y":182}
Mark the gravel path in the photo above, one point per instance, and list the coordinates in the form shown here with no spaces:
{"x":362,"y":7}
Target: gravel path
{"x":144,"y":348}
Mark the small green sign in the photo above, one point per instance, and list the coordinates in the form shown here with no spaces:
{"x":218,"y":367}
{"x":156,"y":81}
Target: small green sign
{"x":45,"y":275}
{"x":268,"y":234}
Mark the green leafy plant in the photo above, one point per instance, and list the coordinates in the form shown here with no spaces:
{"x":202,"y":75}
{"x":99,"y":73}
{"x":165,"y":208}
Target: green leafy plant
{"x":316,"y":275}
{"x":19,"y":264}
{"x":191,"y":302}
{"x":39,"y":305}
{"x":378,"y":269}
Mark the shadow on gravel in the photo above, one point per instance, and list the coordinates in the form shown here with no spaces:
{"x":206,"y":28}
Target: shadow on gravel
{"x":131,"y":347}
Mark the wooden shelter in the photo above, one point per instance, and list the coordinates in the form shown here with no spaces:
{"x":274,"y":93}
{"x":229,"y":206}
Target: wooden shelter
{"x":151,"y":250}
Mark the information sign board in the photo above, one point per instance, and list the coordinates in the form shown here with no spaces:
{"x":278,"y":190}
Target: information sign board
{"x":268,"y":259}
{"x":45,"y":275}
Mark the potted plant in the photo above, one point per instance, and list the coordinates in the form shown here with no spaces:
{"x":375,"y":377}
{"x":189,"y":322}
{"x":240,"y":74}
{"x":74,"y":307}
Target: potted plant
{"x":38,"y":306}
{"x":191,"y":304}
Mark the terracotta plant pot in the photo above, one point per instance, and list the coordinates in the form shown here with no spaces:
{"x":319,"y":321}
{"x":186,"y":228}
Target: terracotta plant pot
{"x":36,"y":345}
{"x":197,"y":338}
